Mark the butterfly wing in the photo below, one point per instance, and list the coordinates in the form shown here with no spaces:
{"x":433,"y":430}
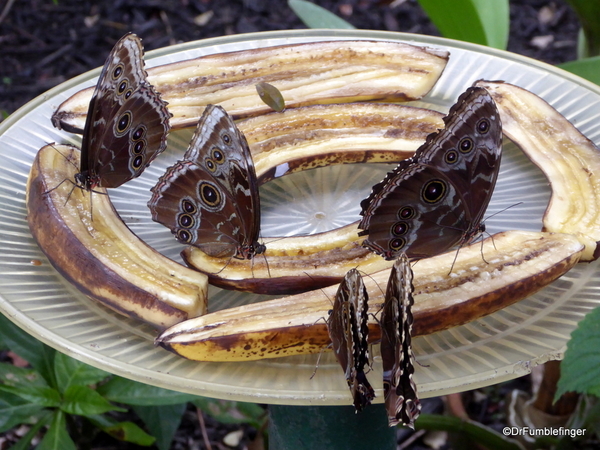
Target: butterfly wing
{"x":348,"y":330}
{"x":436,"y":199}
{"x":210,"y":198}
{"x":127,"y":122}
{"x":400,"y":391}
{"x":469,"y":149}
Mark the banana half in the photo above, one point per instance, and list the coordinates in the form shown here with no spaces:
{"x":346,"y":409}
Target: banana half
{"x":518,"y":264}
{"x":87,"y":242}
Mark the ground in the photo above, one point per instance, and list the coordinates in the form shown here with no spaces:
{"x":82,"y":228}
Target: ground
{"x":46,"y":42}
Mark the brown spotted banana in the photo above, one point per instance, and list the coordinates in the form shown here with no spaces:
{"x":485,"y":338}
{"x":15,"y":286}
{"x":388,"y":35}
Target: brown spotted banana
{"x":310,"y":73}
{"x":87,"y":242}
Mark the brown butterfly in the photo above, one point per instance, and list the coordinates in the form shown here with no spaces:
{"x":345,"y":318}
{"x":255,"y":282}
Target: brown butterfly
{"x":127,"y":122}
{"x":436,"y":200}
{"x":348,"y":331}
{"x":210,"y":198}
{"x":400,"y":391}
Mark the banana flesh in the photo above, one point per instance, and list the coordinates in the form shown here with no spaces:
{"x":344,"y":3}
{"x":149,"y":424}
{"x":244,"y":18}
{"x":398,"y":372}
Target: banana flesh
{"x":86,"y":241}
{"x":318,"y":135}
{"x":311,"y":73}
{"x":570,"y":161}
{"x":518,"y":264}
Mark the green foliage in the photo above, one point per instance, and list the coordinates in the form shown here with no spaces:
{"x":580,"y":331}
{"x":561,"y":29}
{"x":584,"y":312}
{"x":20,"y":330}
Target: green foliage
{"x":232,"y":412}
{"x":315,"y":16}
{"x":580,"y":370}
{"x":588,"y":68}
{"x":588,"y":13}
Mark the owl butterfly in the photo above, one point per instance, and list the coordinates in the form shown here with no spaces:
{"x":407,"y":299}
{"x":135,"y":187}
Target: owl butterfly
{"x":400,"y":391}
{"x":348,"y":331}
{"x":436,"y":200}
{"x":210,"y":198}
{"x":127,"y":122}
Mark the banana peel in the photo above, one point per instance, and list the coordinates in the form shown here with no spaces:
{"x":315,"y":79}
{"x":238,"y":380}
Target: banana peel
{"x":310,"y":73}
{"x":517,"y":264}
{"x":87,"y":243}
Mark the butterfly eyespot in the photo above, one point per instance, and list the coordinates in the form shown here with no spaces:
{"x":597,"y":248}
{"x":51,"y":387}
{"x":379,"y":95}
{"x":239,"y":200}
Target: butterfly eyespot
{"x":188,"y":206}
{"x":406,"y":213}
{"x":122,"y":87}
{"x":123,"y":123}
{"x":139,"y":133}
{"x":433,"y":191}
{"x":400,"y":228}
{"x":117,"y":71}
{"x":184,"y":236}
{"x":465,"y":145}
{"x":218,"y":155}
{"x":483,"y":126}
{"x":209,"y":194}
{"x":185,"y":221}
{"x":139,"y":147}
{"x":397,"y":244}
{"x":128,"y":93}
{"x":137,"y":162}
{"x":210,"y":165}
{"x":226,"y":138}
{"x":451,"y":156}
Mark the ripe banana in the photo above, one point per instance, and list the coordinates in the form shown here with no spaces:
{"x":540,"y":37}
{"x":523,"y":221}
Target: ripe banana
{"x":318,"y":135}
{"x":570,"y":161}
{"x":518,"y":264}
{"x":86,"y":241}
{"x":318,"y":72}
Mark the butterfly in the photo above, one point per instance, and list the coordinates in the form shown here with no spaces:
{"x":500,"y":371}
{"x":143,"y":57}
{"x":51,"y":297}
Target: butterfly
{"x":348,"y":331}
{"x":399,"y":389}
{"x":127,"y":122}
{"x":210,"y":198}
{"x":436,"y":200}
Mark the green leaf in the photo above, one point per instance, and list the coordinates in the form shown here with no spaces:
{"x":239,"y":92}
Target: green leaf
{"x":84,"y":401}
{"x":15,"y":410}
{"x":227,"y":411}
{"x":163,"y":421}
{"x":57,"y":436}
{"x":122,"y":390}
{"x":123,"y":431}
{"x":69,"y":372}
{"x":580,"y":369}
{"x":12,"y":376}
{"x":39,"y":395}
{"x":485,"y":436}
{"x":588,"y":13}
{"x":588,"y":68}
{"x":25,"y":442}
{"x":36,"y":353}
{"x":482,"y":22}
{"x":314,"y":16}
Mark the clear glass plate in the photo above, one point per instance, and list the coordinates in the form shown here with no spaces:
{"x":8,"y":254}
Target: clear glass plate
{"x":498,"y":347}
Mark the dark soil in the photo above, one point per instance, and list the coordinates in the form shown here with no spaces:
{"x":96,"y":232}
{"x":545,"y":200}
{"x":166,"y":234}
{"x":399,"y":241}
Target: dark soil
{"x":46,"y":42}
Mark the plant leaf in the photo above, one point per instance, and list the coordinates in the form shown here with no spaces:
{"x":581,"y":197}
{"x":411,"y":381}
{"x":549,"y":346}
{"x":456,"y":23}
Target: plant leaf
{"x":588,"y":68}
{"x":123,"y":431}
{"x":84,"y":401}
{"x":39,"y":395}
{"x":478,"y":21}
{"x":123,"y":390}
{"x":162,"y":420}
{"x":315,"y":16}
{"x":69,"y":372}
{"x":227,"y":411}
{"x":36,"y":353}
{"x":15,"y":410}
{"x":580,"y":369}
{"x":589,"y":15}
{"x":12,"y":376}
{"x":57,"y":436}
{"x":25,"y":442}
